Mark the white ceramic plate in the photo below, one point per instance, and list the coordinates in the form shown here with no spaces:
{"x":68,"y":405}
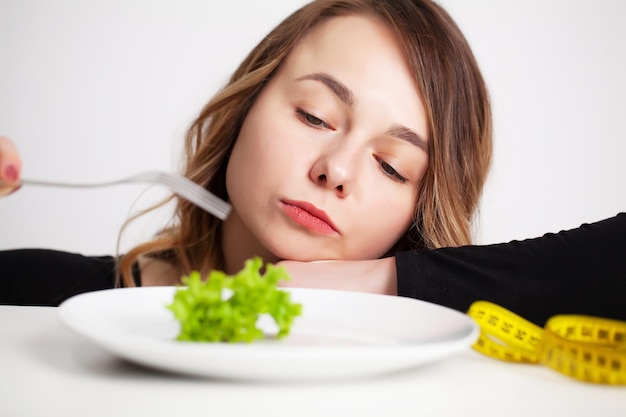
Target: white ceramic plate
{"x":339,"y":335}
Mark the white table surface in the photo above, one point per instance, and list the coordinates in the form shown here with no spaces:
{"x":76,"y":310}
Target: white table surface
{"x":47,"y":370}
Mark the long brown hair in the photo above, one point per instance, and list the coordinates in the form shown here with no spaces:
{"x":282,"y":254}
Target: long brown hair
{"x":457,"y":108}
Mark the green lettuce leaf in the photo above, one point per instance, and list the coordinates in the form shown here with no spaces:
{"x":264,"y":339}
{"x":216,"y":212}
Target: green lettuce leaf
{"x":226,"y":308}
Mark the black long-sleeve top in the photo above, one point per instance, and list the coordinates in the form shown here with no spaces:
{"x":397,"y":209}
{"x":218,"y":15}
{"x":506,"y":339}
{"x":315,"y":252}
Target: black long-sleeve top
{"x":580,"y":271}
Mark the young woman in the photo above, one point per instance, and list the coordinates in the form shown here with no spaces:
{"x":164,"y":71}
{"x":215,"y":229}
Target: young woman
{"x":355,"y":130}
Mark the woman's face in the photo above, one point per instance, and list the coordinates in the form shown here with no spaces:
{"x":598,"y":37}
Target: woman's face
{"x":329,"y":159}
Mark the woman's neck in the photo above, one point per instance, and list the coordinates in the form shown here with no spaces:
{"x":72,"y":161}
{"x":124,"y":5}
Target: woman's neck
{"x":239,"y":244}
{"x":156,"y":272}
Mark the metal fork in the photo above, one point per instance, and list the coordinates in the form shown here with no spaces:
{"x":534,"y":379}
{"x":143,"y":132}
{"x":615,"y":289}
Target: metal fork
{"x":177,"y":183}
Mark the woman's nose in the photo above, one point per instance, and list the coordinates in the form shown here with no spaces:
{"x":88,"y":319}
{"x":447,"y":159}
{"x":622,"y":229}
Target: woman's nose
{"x":335,"y":171}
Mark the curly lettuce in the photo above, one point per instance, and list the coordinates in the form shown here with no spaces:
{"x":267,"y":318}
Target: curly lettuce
{"x":226,"y":308}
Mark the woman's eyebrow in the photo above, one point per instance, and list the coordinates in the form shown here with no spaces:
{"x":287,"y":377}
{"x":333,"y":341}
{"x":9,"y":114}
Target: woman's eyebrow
{"x":346,"y":96}
{"x":341,"y":90}
{"x":404,"y":133}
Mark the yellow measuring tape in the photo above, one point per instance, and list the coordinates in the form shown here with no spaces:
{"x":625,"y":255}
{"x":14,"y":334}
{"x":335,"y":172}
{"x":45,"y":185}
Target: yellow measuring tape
{"x":590,"y":349}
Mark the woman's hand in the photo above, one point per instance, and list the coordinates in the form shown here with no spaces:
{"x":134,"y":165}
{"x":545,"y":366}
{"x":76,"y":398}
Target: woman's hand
{"x":375,"y":276}
{"x":10,"y":166}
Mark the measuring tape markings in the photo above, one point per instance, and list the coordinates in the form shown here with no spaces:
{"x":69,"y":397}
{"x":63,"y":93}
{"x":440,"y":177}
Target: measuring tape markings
{"x":590,"y":349}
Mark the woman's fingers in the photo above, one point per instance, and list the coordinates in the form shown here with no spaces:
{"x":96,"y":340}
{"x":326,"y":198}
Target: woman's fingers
{"x":10,"y":166}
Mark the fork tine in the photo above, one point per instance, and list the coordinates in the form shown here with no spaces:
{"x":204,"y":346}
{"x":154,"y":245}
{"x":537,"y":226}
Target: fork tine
{"x":196,"y":194}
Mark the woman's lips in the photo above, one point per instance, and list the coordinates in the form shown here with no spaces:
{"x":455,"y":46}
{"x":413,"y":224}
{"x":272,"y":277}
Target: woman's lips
{"x":309,"y":216}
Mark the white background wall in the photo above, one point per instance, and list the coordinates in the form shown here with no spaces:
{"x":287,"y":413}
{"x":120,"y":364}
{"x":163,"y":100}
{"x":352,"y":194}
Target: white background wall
{"x":95,"y":90}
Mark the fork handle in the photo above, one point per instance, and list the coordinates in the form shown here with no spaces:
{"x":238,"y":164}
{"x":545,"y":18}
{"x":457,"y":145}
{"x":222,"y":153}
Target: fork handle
{"x":43,"y":183}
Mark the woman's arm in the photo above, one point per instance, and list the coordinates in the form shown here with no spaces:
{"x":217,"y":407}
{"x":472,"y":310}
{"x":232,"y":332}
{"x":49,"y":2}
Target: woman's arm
{"x":581,"y":271}
{"x":42,"y":277}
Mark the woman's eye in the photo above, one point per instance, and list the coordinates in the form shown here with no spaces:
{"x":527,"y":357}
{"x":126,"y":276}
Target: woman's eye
{"x":390,"y":171}
{"x":312,"y":120}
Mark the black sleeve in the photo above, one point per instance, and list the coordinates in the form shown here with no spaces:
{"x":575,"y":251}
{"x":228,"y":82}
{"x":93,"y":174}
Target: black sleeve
{"x":580,"y":271}
{"x":44,"y":277}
